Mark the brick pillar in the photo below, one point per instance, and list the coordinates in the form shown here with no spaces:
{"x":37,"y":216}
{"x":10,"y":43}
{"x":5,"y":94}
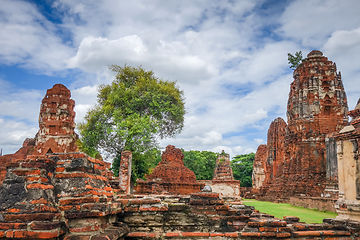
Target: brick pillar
{"x":125,"y":172}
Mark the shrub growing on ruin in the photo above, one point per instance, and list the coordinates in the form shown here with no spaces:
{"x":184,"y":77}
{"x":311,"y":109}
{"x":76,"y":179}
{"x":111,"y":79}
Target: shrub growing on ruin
{"x":295,"y":60}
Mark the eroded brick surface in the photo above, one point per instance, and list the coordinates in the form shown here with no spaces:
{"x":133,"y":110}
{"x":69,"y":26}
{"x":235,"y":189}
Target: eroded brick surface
{"x":223,"y":170}
{"x":258,"y":175}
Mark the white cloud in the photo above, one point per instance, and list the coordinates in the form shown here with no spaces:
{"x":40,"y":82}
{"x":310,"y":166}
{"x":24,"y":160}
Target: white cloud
{"x":13,"y":133}
{"x":344,"y":46}
{"x":312,"y":21}
{"x":171,"y":60}
{"x":29,"y":39}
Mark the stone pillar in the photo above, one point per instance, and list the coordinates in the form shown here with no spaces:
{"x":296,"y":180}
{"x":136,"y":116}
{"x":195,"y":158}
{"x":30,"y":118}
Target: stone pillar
{"x":331,"y":160}
{"x":341,"y":174}
{"x":125,"y":172}
{"x":348,"y":141}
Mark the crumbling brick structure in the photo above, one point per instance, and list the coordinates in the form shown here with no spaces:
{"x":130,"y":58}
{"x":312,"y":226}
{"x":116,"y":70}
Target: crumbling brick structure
{"x":56,"y":128}
{"x":223,"y":181}
{"x":56,"y":122}
{"x":223,"y":170}
{"x":317,"y":107}
{"x":125,"y":172}
{"x":27,"y":149}
{"x":170,"y":176}
{"x":258,"y":175}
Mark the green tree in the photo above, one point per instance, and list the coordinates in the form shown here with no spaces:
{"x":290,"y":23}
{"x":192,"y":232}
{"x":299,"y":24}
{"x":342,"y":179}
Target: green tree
{"x":295,"y":60}
{"x":242,"y":166}
{"x":202,"y":163}
{"x":131,"y":113}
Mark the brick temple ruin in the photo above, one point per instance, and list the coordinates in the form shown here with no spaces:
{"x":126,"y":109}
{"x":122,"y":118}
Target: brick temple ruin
{"x":170,"y":176}
{"x":301,"y":154}
{"x":49,"y":190}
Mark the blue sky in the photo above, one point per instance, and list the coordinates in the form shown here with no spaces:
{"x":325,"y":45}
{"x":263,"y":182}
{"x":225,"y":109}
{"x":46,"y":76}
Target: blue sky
{"x":229,"y":58}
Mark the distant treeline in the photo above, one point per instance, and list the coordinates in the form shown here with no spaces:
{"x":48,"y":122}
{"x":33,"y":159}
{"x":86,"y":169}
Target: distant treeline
{"x":202,"y":163}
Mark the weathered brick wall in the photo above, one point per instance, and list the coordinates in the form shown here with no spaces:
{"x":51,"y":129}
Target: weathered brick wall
{"x":52,"y":195}
{"x":320,"y":203}
{"x":125,"y":172}
{"x":258,"y":175}
{"x":26,"y":149}
{"x":205,"y":216}
{"x":274,"y":164}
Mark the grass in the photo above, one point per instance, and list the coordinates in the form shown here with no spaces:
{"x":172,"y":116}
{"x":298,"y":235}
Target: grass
{"x":279,"y":210}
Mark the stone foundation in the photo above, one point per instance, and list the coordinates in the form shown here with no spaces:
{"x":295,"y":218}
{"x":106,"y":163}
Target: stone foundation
{"x":224,"y":188}
{"x":320,"y":203}
{"x":53,"y":195}
{"x":206,"y":216}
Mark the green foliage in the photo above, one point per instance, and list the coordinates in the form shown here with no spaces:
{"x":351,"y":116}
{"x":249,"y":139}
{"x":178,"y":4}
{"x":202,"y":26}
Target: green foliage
{"x":296,"y":60}
{"x":242,"y":166}
{"x":131,"y":113}
{"x":279,"y":210}
{"x":88,"y":150}
{"x":202,"y":163}
{"x":142,"y":164}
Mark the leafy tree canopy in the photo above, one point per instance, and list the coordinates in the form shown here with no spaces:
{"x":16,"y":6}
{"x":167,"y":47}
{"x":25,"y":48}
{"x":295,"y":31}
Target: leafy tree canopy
{"x":295,"y":60}
{"x":242,"y":166}
{"x":202,"y":163}
{"x":131,"y":113}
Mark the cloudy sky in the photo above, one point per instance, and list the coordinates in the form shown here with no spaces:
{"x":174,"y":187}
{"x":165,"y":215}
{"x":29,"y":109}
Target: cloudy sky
{"x":229,"y":58}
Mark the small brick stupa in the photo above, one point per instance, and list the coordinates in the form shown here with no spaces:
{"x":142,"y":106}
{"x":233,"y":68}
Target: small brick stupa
{"x":223,"y":171}
{"x":170,"y":176}
{"x":223,"y":181}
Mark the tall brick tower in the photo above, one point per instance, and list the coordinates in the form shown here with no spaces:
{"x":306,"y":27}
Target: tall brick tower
{"x":317,"y":107}
{"x":56,"y":122}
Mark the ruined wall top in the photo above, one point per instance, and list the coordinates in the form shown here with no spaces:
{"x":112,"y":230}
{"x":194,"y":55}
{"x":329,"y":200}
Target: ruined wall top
{"x":171,"y":169}
{"x":355,"y":115}
{"x":172,"y":155}
{"x":315,"y":53}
